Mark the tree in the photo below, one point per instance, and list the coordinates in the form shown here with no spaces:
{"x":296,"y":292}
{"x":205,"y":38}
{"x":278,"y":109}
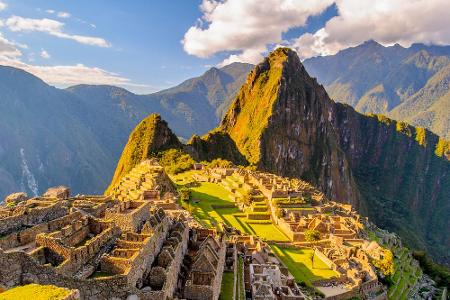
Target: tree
{"x":185,"y":194}
{"x":312,"y":236}
{"x":311,"y":257}
{"x":220,"y":163}
{"x":386,"y":264}
{"x":175,"y":161}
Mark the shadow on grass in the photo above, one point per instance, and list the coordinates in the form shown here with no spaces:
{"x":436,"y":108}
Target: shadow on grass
{"x":299,"y":269}
{"x":205,"y":204}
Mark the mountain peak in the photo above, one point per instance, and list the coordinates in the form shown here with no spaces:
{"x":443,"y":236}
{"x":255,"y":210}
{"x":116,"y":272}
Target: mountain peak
{"x":276,"y":89}
{"x":249,"y":113}
{"x":151,"y":135}
{"x":371,"y":43}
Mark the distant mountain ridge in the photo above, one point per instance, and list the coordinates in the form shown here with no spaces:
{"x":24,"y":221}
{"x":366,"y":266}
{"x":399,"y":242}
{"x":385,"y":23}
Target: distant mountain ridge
{"x":407,"y":84}
{"x":50,"y":136}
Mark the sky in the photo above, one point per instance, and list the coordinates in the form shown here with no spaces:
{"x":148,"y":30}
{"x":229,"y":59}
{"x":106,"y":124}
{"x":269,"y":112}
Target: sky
{"x":146,"y":46}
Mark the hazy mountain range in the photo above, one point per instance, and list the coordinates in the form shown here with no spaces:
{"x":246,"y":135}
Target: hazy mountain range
{"x":50,"y":136}
{"x":408,"y":84}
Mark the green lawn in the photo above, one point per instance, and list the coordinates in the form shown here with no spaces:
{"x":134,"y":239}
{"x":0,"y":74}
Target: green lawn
{"x":207,"y":199}
{"x":268,"y":232}
{"x":226,"y":291}
{"x":240,"y":289}
{"x":207,"y":195}
{"x":298,"y":261}
{"x":35,"y":292}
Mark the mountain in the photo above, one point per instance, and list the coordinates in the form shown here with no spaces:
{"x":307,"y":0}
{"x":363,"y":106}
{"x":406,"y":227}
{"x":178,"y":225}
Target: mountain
{"x":50,"y":136}
{"x":193,"y":107}
{"x":408,"y":84}
{"x":43,"y":139}
{"x":150,"y":136}
{"x":282,"y":121}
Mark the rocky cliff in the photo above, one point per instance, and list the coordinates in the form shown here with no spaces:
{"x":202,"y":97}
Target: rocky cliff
{"x":280,"y":122}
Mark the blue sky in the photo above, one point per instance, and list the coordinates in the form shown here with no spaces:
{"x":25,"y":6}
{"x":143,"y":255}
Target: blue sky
{"x":145,"y":46}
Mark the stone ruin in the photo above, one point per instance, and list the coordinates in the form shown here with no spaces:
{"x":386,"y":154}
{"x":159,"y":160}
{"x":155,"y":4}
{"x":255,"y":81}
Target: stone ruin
{"x":136,"y":241}
{"x":272,"y":281}
{"x":203,"y":266}
{"x":101,"y":246}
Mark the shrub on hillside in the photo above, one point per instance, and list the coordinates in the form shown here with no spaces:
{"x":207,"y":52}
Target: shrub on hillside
{"x":386,"y":264}
{"x":175,"y":161}
{"x":219,"y":163}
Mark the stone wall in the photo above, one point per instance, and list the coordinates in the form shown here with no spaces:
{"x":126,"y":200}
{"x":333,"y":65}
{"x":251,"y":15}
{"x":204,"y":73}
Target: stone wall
{"x":325,"y":259}
{"x":75,"y":258}
{"x":19,"y":268}
{"x":32,"y":216}
{"x":129,"y":215}
{"x":172,"y":272}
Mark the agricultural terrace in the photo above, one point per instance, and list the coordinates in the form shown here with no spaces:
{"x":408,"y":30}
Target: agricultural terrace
{"x":211,"y":205}
{"x":299,"y":263}
{"x":406,"y":271}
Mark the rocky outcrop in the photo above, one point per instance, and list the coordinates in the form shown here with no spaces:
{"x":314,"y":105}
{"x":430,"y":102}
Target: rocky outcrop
{"x":15,"y":198}
{"x":58,"y":192}
{"x":216,"y":144}
{"x":150,"y":136}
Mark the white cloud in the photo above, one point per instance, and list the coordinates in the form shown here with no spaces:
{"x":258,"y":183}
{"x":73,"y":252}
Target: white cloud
{"x":64,"y":75}
{"x":52,"y":27}
{"x":67,"y":75}
{"x":63,"y":14}
{"x":250,"y":55}
{"x":250,"y":27}
{"x":44,"y":54}
{"x":387,"y":21}
{"x":3,"y":5}
{"x":246,"y":26}
{"x":60,"y":14}
{"x":8,"y":48}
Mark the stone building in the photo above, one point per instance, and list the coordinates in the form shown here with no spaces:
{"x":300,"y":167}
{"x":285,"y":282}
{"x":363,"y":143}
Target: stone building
{"x":205,"y":275}
{"x":270,"y":281}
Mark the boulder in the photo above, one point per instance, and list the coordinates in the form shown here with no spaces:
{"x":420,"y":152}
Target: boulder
{"x":15,"y":198}
{"x":59,"y":192}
